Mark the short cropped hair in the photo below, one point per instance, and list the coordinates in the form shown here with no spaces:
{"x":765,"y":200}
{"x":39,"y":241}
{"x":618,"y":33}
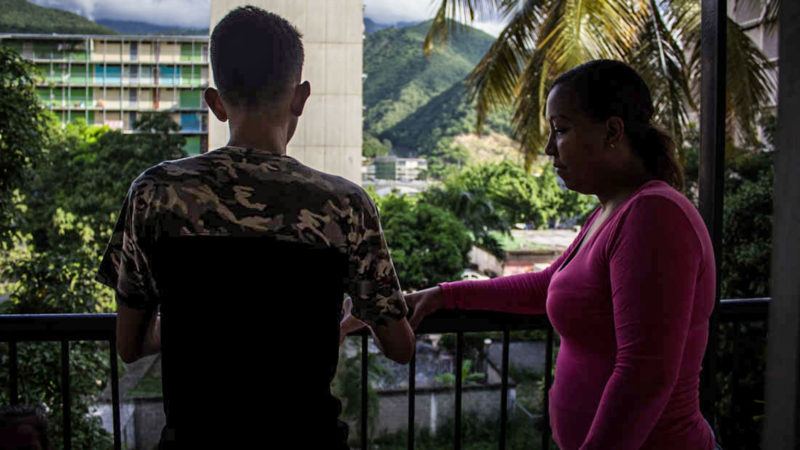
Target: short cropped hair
{"x":255,"y":55}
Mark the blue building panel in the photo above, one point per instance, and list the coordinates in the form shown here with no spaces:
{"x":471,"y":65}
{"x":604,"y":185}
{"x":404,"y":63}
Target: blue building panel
{"x":107,"y":74}
{"x":169,"y":75}
{"x":190,"y":122}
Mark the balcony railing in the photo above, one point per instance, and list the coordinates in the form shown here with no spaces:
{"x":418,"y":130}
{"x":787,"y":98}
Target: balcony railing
{"x":66,"y":328}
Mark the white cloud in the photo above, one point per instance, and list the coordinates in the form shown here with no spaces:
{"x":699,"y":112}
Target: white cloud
{"x":180,"y":13}
{"x":383,"y":11}
{"x":195,"y":13}
{"x":392,"y":11}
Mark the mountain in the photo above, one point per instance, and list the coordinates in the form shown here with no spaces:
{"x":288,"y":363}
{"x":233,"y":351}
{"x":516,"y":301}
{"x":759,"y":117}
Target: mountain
{"x":19,"y":16}
{"x":417,"y":101}
{"x":131,"y":27}
{"x":370,"y":26}
{"x":446,"y":115}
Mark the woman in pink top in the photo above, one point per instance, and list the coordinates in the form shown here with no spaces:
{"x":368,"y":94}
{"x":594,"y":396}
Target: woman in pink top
{"x":631,"y":297}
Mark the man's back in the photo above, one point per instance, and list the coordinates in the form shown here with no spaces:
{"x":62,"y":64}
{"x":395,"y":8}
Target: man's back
{"x":248,"y":254}
{"x":249,"y":336}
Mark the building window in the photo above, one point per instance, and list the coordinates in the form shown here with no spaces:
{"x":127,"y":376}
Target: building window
{"x":131,"y":119}
{"x":134,"y":71}
{"x":156,"y":50}
{"x":132,"y":96}
{"x":204,"y":54}
{"x":134,"y":51}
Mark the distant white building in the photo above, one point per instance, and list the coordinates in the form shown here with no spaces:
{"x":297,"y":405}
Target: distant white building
{"x":396,"y":169}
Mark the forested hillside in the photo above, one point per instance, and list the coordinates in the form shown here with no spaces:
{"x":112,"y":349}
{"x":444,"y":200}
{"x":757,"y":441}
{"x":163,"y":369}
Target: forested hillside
{"x":19,"y":16}
{"x":133,"y":27}
{"x":417,"y":102}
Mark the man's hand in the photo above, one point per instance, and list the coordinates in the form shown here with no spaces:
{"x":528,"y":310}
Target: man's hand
{"x":349,"y":323}
{"x":138,"y":333}
{"x":424,"y":302}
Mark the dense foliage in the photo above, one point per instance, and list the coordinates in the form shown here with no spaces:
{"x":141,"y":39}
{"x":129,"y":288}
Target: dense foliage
{"x":23,"y":133}
{"x":519,"y":197}
{"x":372,"y":146}
{"x":428,"y":244}
{"x":20,"y":16}
{"x":63,"y":209}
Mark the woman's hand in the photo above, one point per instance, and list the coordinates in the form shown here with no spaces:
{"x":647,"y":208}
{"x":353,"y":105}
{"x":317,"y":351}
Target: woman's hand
{"x":424,"y":302}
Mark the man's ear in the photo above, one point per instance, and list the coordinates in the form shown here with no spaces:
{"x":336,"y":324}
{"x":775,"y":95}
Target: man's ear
{"x":214,"y":101}
{"x":615,"y":131}
{"x":301,"y":93}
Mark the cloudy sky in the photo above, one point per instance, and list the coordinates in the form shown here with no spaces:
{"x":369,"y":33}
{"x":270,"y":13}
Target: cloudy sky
{"x":194,"y":13}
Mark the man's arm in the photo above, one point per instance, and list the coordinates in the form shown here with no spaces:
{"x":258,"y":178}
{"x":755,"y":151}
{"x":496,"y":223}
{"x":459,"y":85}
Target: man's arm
{"x":138,"y":333}
{"x":396,"y":340}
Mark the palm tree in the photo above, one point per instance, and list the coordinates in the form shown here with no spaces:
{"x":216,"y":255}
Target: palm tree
{"x":659,"y":38}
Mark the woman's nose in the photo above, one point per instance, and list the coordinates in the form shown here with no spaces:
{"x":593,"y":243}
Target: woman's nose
{"x":549,"y":147}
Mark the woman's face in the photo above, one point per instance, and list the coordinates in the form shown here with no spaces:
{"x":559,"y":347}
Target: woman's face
{"x":576,"y":142}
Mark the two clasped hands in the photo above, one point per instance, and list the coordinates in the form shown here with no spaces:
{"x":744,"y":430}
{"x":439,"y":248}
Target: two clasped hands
{"x":420,"y":305}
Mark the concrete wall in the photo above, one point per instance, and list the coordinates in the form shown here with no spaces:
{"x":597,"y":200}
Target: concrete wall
{"x":142,"y":419}
{"x":328,"y":136}
{"x":433,"y":407}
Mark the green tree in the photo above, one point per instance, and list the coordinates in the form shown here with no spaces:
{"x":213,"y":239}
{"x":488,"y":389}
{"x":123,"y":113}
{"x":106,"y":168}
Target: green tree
{"x":520,"y":197}
{"x":64,"y":213}
{"x":23,"y":134}
{"x":474,"y":210}
{"x":372,"y":146}
{"x":545,"y":38}
{"x":428,"y":244}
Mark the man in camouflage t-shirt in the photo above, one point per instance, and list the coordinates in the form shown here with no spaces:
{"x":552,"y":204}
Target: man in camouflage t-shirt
{"x":250,"y":192}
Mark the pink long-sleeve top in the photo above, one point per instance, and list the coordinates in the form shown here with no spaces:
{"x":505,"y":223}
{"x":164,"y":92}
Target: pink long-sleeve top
{"x":632,"y":309}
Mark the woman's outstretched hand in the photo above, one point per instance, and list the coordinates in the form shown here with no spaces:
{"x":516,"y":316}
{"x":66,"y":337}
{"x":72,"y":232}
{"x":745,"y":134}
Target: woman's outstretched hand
{"x":424,"y":302}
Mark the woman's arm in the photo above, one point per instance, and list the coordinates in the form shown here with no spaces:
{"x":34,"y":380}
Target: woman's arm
{"x":525,"y":293}
{"x":654,"y":262}
{"x":521,"y":294}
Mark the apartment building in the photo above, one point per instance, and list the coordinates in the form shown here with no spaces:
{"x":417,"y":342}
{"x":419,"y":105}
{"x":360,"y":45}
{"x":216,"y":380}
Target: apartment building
{"x":398,"y":169}
{"x":111,"y":80}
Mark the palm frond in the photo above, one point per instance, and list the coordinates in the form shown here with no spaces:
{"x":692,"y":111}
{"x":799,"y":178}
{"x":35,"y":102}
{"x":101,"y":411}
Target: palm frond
{"x":528,"y":123}
{"x":570,"y":34}
{"x":771,"y":11}
{"x":659,"y":59}
{"x":446,"y":20}
{"x":494,"y":80}
{"x":749,"y":84}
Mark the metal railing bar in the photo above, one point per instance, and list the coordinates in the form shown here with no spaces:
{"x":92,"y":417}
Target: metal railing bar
{"x":115,"y":395}
{"x":56,"y":327}
{"x":548,"y":381}
{"x":15,"y":328}
{"x":13,"y":372}
{"x":65,"y":395}
{"x":364,"y":388}
{"x":504,"y":391}
{"x":412,"y":387}
{"x":459,"y":386}
{"x":735,"y":405}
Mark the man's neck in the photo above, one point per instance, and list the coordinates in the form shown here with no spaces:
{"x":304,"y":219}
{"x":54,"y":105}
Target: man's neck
{"x":259,"y":135}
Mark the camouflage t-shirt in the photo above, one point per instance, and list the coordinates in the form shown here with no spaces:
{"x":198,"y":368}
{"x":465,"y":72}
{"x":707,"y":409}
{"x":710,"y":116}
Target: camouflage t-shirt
{"x":234,"y":191}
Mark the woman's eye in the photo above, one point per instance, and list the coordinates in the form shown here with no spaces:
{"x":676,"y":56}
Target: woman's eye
{"x":560,"y":130}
